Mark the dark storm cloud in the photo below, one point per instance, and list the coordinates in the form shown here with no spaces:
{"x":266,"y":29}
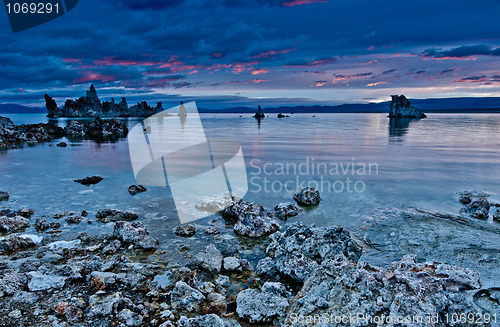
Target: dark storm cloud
{"x":133,"y":47}
{"x":462,"y":52}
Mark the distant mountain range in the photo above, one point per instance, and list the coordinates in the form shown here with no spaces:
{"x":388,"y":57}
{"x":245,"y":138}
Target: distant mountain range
{"x":443,"y":105}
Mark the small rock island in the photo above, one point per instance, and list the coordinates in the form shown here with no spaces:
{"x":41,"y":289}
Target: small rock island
{"x":90,"y":106}
{"x":402,"y":108}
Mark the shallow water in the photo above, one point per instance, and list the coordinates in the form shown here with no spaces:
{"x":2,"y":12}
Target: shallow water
{"x":414,"y":163}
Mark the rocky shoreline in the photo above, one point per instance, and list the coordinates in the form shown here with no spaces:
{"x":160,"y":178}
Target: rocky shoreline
{"x":14,"y":136}
{"x":121,"y":278}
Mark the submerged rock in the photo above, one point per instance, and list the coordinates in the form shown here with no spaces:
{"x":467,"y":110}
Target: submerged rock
{"x":62,"y":144}
{"x":89,"y":180}
{"x":264,"y":305}
{"x":13,"y":224}
{"x":107,"y":215}
{"x":297,"y":252}
{"x":216,"y":203}
{"x":185,"y":230}
{"x":4,"y":196}
{"x":134,"y":189}
{"x":134,"y":233}
{"x":210,"y":259}
{"x":308,"y":196}
{"x":73,"y":219}
{"x":400,"y":107}
{"x":340,"y":288}
{"x":286,"y":209}
{"x":478,"y":209}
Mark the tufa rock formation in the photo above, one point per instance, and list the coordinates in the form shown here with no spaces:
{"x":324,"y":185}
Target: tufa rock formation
{"x":401,"y":108}
{"x":91,"y":106}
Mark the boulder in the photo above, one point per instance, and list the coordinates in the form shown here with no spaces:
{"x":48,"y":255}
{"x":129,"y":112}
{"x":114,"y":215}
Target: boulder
{"x":256,"y":226}
{"x":478,"y":209}
{"x":185,"y":230}
{"x":210,"y":259}
{"x":264,"y":305}
{"x":97,"y":129}
{"x":308,"y":196}
{"x":134,"y":189}
{"x":134,"y":233}
{"x":496,"y":215}
{"x":286,"y":209}
{"x":185,"y":297}
{"x":15,"y":243}
{"x":4,"y":196}
{"x":43,"y":224}
{"x":13,"y":224}
{"x":12,"y":282}
{"x":400,"y":107}
{"x":89,"y":180}
{"x":298,"y":251}
{"x":107,"y":215}
{"x":343,"y":288}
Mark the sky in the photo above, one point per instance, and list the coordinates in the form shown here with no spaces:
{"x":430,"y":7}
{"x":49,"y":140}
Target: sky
{"x":230,"y":53}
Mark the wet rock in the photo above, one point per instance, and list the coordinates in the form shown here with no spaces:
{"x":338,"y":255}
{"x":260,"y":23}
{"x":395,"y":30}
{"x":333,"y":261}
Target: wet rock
{"x":97,"y":130}
{"x":400,"y":107}
{"x":12,"y":136}
{"x":15,"y":243}
{"x":130,"y":318}
{"x":308,"y":196}
{"x":210,"y":259}
{"x":134,"y":189}
{"x":185,"y":230}
{"x":103,"y":305}
{"x":211,"y":320}
{"x":496,"y":215}
{"x":286,"y":209}
{"x":341,"y":288}
{"x":236,"y":264}
{"x":134,"y":233}
{"x":74,"y":219}
{"x":11,"y":282}
{"x":256,"y":226}
{"x":107,"y":215}
{"x":216,"y":203}
{"x":222,"y":281}
{"x":478,"y":209}
{"x":301,"y":249}
{"x":211,"y":230}
{"x":89,"y":180}
{"x":216,"y":300}
{"x":13,"y":224}
{"x":25,"y":212}
{"x":264,"y":305}
{"x":465,"y":199}
{"x":42,"y":282}
{"x":42,"y":224}
{"x":185,"y":297}
{"x":4,"y":196}
{"x":61,"y":307}
{"x":242,"y":209}
{"x":84,"y":213}
{"x":62,"y":144}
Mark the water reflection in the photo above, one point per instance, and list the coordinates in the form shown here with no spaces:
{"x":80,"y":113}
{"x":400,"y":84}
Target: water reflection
{"x":398,"y":127}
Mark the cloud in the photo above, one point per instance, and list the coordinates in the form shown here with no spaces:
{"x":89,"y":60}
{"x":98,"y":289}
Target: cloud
{"x":294,"y":3}
{"x":461,"y":53}
{"x":313,"y":62}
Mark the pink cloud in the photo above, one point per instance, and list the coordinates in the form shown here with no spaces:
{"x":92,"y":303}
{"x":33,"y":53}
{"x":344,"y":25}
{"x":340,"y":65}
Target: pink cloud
{"x":294,"y":3}
{"x":271,"y":53}
{"x":260,"y":71}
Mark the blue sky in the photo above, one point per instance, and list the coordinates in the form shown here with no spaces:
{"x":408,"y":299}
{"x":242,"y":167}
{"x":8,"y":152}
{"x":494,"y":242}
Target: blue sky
{"x":230,"y":53}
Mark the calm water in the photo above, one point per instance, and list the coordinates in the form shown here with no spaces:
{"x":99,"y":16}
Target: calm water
{"x":413,"y":164}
